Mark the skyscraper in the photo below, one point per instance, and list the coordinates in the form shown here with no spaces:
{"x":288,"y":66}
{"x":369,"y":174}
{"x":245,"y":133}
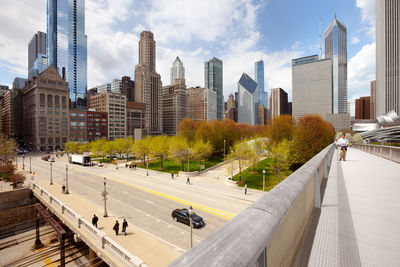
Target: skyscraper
{"x":259,"y":77}
{"x":248,"y":100}
{"x":336,"y":49}
{"x":177,"y":71}
{"x":213,"y":81}
{"x":148,"y":84}
{"x":387,"y":56}
{"x":67,"y":45}
{"x":278,"y":102}
{"x":36,"y":47}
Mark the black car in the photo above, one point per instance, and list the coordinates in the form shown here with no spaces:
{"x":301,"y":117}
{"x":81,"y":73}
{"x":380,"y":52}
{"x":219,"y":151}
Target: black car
{"x":182,"y":215}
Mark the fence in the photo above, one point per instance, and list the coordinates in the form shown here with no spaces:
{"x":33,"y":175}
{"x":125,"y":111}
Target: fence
{"x":387,"y":152}
{"x":103,"y":242}
{"x":270,"y":231}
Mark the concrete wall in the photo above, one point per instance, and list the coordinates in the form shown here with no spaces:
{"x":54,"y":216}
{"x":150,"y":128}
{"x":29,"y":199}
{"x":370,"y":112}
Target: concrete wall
{"x":387,"y":152}
{"x":17,"y":197}
{"x":16,"y":215}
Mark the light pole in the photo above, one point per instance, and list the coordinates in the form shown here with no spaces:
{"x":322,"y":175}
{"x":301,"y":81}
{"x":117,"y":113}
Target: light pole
{"x":224,"y":149}
{"x":23,"y":162}
{"x":147,"y":165}
{"x":66,"y":179}
{"x":263,"y":180}
{"x":105,"y":198}
{"x":30,"y":165}
{"x":188,"y":159}
{"x":191,"y":226}
{"x":232,"y":165}
{"x":116,"y":163}
{"x":51,"y":173}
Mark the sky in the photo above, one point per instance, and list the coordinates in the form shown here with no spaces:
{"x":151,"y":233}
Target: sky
{"x":239,"y":32}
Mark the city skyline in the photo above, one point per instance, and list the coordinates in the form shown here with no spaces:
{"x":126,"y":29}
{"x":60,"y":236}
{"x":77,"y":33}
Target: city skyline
{"x":116,"y":56}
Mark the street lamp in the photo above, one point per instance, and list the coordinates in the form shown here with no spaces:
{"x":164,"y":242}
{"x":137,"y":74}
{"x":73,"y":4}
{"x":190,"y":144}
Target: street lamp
{"x":224,"y":149}
{"x":188,"y":159}
{"x":66,"y":179}
{"x":30,"y":165}
{"x":147,"y":165}
{"x":105,"y":198}
{"x":232,"y":165}
{"x":51,"y":173}
{"x":263,"y":180}
{"x":23,"y":162}
{"x":191,"y":225}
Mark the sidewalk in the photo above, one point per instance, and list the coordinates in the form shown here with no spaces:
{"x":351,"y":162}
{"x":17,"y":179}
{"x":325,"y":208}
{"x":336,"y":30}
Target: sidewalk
{"x":152,"y":251}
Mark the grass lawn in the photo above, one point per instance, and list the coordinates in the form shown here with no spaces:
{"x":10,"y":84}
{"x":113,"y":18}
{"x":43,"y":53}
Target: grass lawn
{"x":170,"y":166}
{"x":255,"y":179}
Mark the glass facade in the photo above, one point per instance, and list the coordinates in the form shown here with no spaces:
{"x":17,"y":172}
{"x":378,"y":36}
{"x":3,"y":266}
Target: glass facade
{"x":39,"y":65}
{"x":213,"y":80}
{"x":67,"y":45}
{"x":259,"y":77}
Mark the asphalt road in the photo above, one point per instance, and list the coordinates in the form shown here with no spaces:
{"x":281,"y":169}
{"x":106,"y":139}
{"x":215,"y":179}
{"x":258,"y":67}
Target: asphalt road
{"x":147,"y":201}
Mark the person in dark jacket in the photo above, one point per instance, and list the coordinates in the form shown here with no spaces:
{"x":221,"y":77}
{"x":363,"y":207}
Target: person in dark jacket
{"x":95,"y":220}
{"x":116,"y":227}
{"x":124,"y":225}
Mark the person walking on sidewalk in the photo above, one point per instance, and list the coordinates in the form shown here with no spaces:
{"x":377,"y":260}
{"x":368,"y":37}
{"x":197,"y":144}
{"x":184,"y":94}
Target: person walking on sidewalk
{"x":188,"y":180}
{"x":343,"y":143}
{"x":63,"y":189}
{"x":95,"y":220}
{"x":116,"y":227}
{"x":172,"y":175}
{"x":245,"y":189}
{"x":124,"y":225}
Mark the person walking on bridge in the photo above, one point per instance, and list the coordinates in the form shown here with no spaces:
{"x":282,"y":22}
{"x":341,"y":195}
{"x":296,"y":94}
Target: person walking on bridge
{"x":124,"y":225}
{"x":343,"y":143}
{"x":116,"y":227}
{"x":95,"y":220}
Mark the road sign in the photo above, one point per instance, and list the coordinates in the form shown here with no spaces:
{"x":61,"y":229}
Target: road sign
{"x":104,"y":193}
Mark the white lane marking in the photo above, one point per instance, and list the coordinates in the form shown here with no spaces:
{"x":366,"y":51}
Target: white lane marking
{"x":150,"y":202}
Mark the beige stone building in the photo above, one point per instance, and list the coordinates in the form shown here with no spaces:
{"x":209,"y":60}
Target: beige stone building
{"x":148,"y":84}
{"x":175,"y":106}
{"x":46,"y":110}
{"x":115,"y":105}
{"x":278,"y":102}
{"x":135,"y":117}
{"x":202,"y":103}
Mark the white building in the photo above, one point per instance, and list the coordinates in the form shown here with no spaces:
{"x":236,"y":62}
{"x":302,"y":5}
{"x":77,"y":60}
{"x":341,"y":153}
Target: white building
{"x":116,"y":86}
{"x":248,"y":100}
{"x":104,"y":88}
{"x":177,"y":70}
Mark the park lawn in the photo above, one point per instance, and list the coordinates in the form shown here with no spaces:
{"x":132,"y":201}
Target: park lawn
{"x":171,"y":166}
{"x":255,"y":180}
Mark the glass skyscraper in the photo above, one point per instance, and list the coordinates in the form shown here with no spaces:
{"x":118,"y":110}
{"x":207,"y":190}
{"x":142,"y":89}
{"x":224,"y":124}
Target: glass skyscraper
{"x":259,"y":77}
{"x":213,"y":80}
{"x":336,"y":49}
{"x":67,"y":45}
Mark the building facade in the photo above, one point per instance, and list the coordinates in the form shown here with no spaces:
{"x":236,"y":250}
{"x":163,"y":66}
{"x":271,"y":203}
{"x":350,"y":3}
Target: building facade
{"x":177,"y":71}
{"x":202,"y":103}
{"x":148,"y":86}
{"x":116,"y":86}
{"x":19,"y":83}
{"x":175,"y":106}
{"x":278,"y":102}
{"x":46,"y":111}
{"x":128,"y":87}
{"x":372,"y":108}
{"x":135,"y":118}
{"x":115,"y":106}
{"x":363,"y":105}
{"x":66,"y":45}
{"x":259,"y":78}
{"x":336,"y":49}
{"x":87,"y":126}
{"x":213,"y":76}
{"x":104,"y":88}
{"x":387,"y":56}
{"x":36,"y":47}
{"x":248,"y":100}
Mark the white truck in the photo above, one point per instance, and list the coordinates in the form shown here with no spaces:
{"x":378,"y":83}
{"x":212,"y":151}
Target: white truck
{"x":80,"y":159}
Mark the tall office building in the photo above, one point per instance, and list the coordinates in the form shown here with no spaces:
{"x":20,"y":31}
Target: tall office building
{"x":128,"y":87}
{"x":202,"y":103}
{"x":259,"y":77}
{"x":116,"y":86}
{"x":177,"y":71}
{"x":213,"y":77}
{"x":148,"y":83}
{"x":373,"y":100}
{"x":36,"y":47}
{"x":278,"y":102}
{"x":387,"y":56}
{"x":67,"y":45}
{"x":248,"y":100}
{"x":336,"y":49}
{"x":363,"y":108}
{"x":19,"y":83}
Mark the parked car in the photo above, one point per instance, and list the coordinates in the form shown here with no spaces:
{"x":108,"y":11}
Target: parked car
{"x":182,"y":215}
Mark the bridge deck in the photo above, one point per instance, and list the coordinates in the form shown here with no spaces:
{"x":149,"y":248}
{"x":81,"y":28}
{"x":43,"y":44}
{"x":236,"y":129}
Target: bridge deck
{"x":360,"y":214}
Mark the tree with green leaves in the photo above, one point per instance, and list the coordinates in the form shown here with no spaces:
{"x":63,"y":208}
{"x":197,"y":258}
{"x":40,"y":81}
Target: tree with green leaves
{"x":141,"y":148}
{"x":280,"y":154}
{"x":241,"y":152}
{"x":71,"y":147}
{"x":160,"y":147}
{"x":179,"y":149}
{"x":201,"y":150}
{"x":257,"y":151}
{"x":96,"y":147}
{"x":7,"y":147}
{"x":357,"y":139}
{"x":109,"y":148}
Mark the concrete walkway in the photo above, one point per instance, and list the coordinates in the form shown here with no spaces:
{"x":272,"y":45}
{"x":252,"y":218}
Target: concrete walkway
{"x":360,"y":214}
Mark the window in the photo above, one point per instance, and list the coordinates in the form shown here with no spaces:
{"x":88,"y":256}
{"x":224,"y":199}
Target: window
{"x":81,"y":114}
{"x":81,"y":124}
{"x":73,"y":123}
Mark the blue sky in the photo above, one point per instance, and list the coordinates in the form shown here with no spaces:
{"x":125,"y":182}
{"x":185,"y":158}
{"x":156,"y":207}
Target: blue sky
{"x":237,"y":31}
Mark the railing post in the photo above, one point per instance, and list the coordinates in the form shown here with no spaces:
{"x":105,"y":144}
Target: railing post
{"x":326,"y":167}
{"x":317,"y":190}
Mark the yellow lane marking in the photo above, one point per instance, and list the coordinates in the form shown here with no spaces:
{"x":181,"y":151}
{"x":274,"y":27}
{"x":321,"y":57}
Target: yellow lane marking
{"x":223,"y":214}
{"x":47,"y":261}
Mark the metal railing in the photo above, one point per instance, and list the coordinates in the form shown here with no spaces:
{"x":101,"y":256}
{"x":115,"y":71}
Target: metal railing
{"x":270,"y":232}
{"x":103,"y":241}
{"x":388,"y":152}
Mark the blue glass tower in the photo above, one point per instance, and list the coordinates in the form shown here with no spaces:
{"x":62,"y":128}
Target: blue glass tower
{"x":213,"y":76}
{"x":259,"y":77}
{"x":67,"y":45}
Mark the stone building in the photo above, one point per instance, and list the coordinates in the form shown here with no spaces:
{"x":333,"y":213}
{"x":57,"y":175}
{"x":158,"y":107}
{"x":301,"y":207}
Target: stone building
{"x":202,"y":103}
{"x":135,"y":117}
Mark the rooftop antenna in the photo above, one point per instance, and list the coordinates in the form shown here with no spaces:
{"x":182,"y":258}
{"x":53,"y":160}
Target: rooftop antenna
{"x":320,"y":38}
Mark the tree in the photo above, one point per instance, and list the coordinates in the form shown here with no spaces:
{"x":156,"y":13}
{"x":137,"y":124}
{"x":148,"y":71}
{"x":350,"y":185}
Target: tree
{"x":279,"y":128}
{"x":201,"y":150}
{"x":310,"y":136}
{"x":241,"y":152}
{"x":71,"y":147}
{"x":96,"y":147}
{"x":349,"y":137}
{"x":179,"y":149}
{"x":357,"y":139}
{"x":7,"y":147}
{"x":338,"y":135}
{"x":257,"y":150}
{"x":109,"y":148}
{"x":81,"y":147}
{"x":127,"y":146}
{"x":280,"y":154}
{"x":187,"y":129}
{"x":160,"y":147}
{"x":16,"y":179}
{"x":141,"y":147}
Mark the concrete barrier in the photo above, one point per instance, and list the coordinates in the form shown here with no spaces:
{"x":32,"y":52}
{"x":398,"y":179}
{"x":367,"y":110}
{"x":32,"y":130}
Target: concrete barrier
{"x":80,"y":224}
{"x":388,"y":152}
{"x":270,"y":232}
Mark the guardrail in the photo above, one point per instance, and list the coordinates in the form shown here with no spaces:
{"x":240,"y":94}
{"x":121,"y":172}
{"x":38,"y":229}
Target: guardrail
{"x":270,"y":232}
{"x":388,"y":152}
{"x":102,"y":240}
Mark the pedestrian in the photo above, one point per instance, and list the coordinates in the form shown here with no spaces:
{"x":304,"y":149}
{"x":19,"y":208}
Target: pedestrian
{"x":188,"y":180}
{"x":172,"y":175}
{"x":124,"y":225}
{"x":245,"y":189}
{"x":116,"y":227}
{"x":63,"y":189}
{"x":343,"y":143}
{"x":94,"y":220}
{"x":135,"y":166}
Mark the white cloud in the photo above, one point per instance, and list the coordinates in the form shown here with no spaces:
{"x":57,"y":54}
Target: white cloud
{"x":355,"y":40}
{"x":368,"y":14}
